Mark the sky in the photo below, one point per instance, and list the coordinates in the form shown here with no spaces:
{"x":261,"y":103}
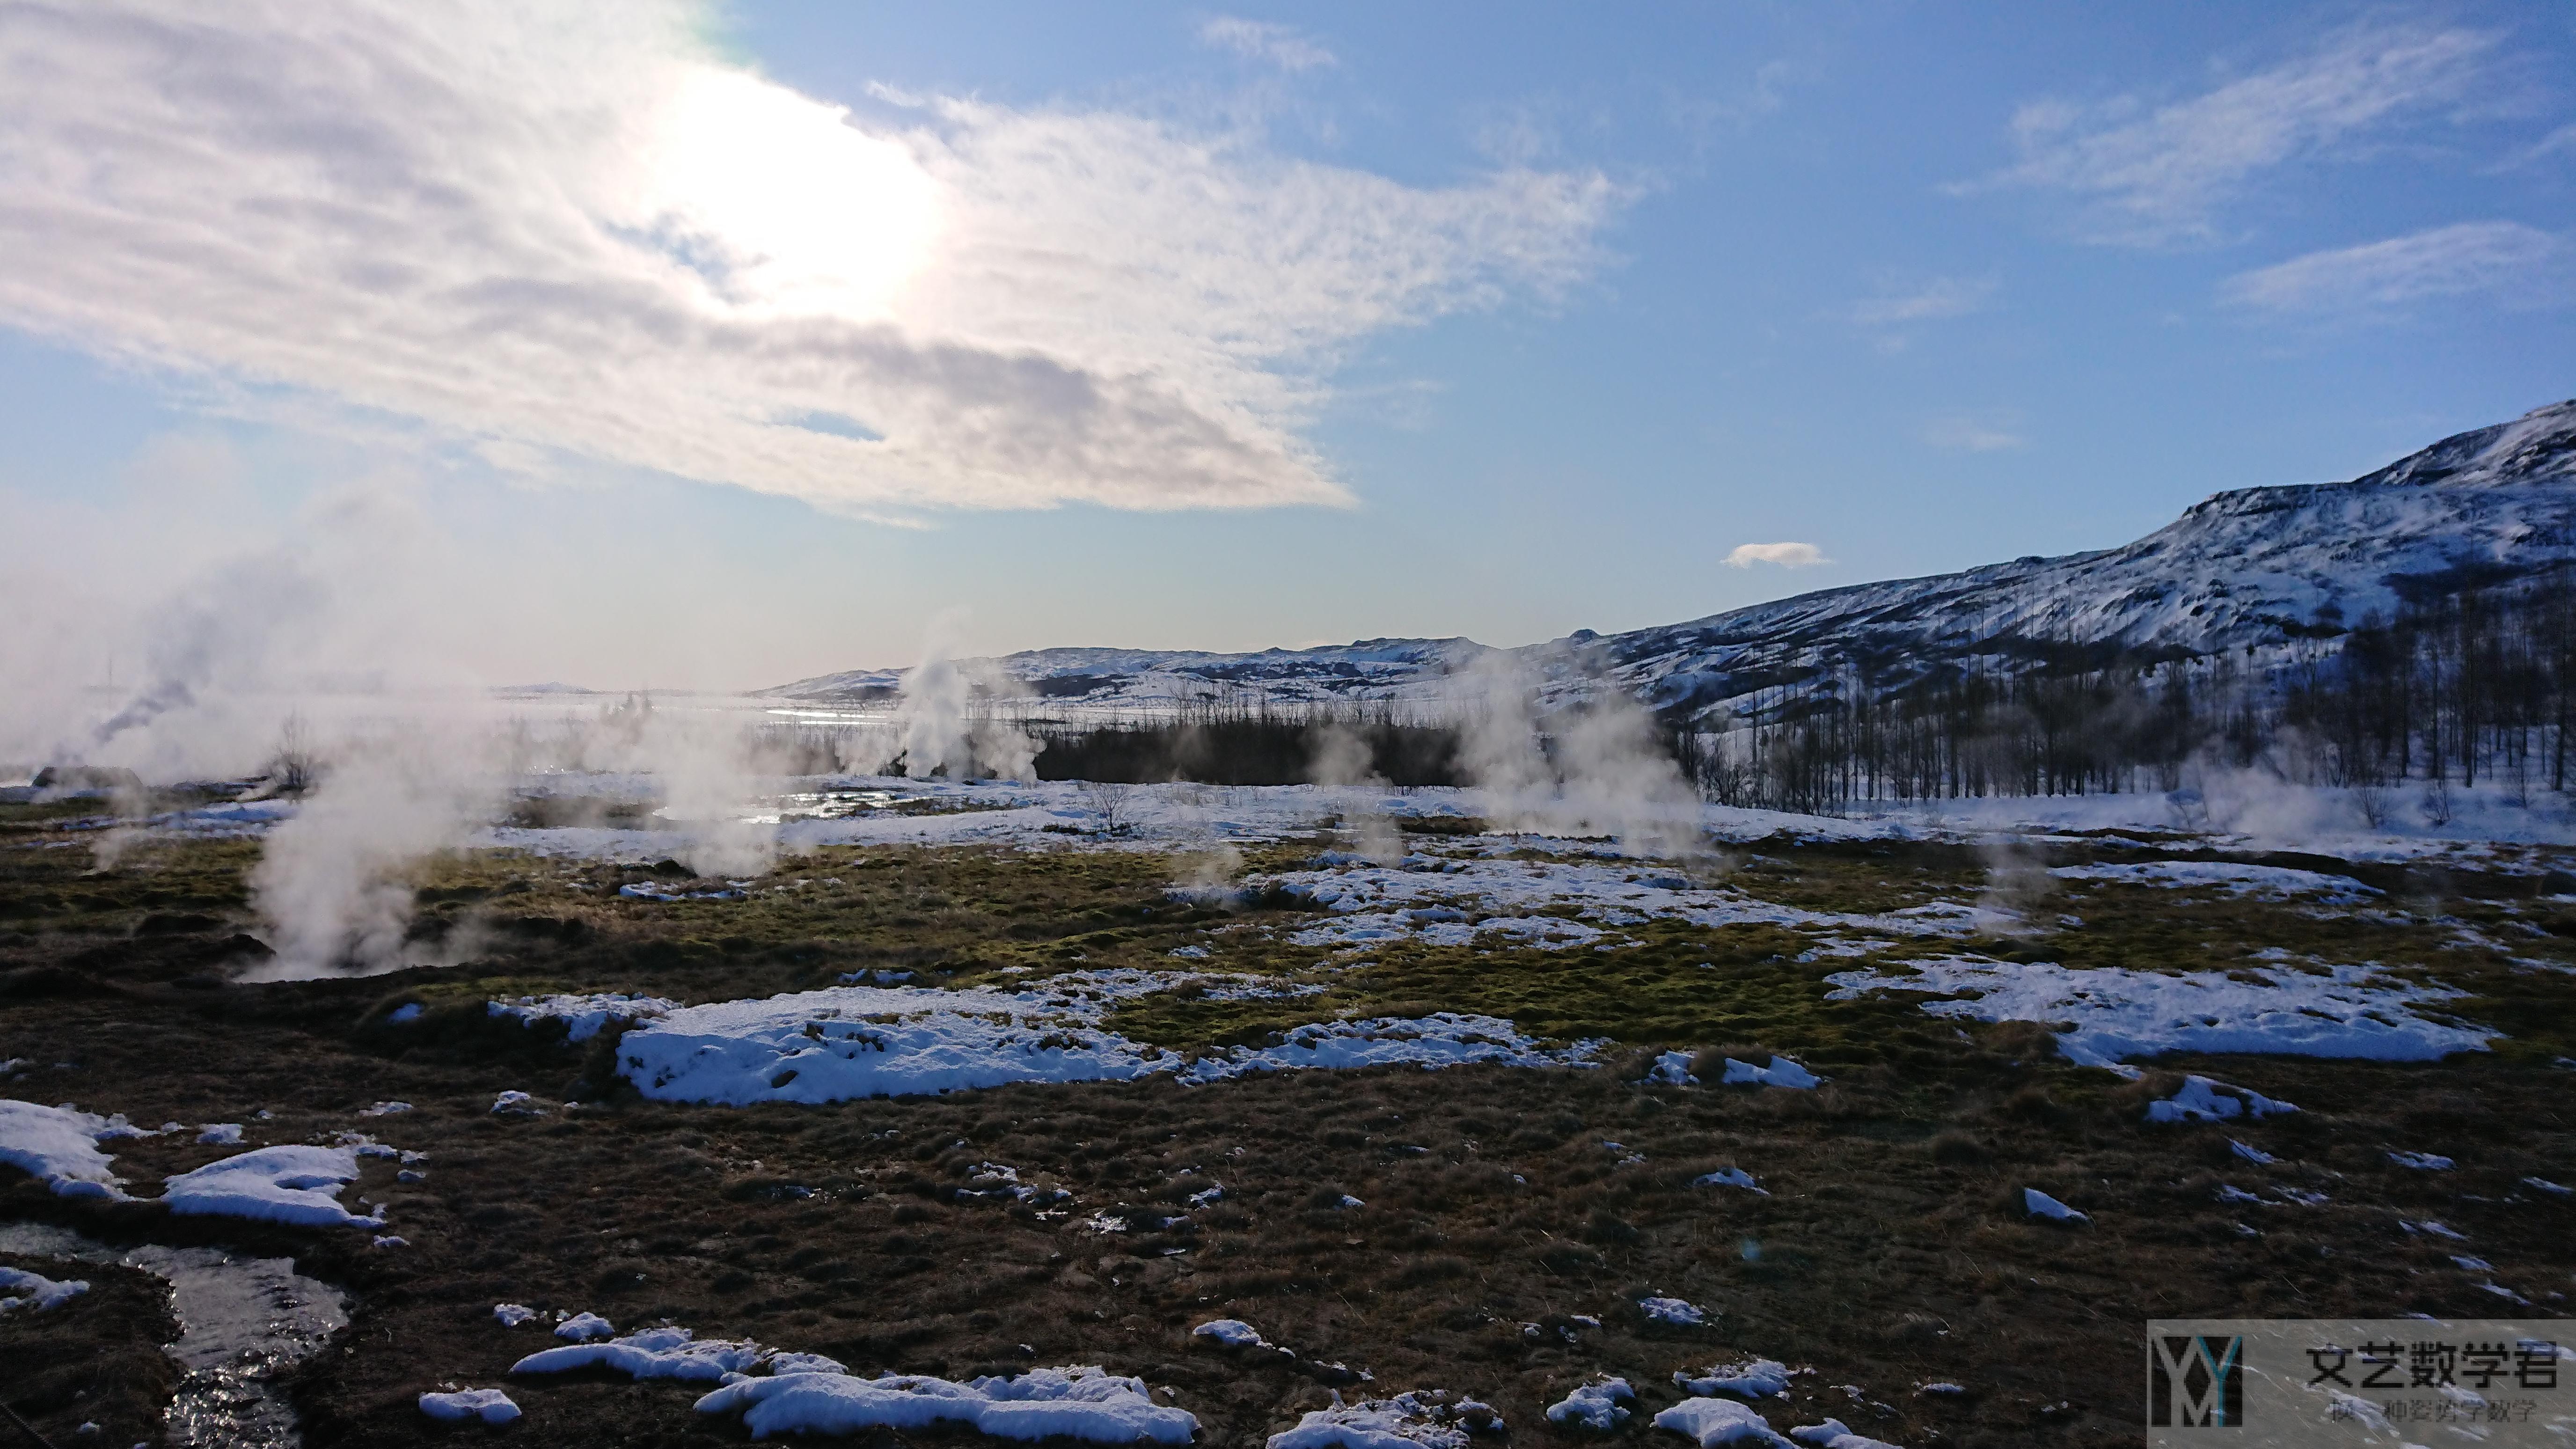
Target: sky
{"x":687,"y":346}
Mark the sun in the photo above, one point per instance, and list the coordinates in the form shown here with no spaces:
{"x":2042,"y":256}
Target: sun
{"x":781,"y":201}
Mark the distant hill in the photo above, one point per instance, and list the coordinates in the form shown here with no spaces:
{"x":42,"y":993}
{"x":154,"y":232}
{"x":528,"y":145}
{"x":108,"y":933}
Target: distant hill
{"x":2264,"y":568}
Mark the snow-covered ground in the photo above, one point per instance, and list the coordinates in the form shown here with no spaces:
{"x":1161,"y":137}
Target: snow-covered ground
{"x":2118,"y":1014}
{"x":846,"y":1042}
{"x":284,"y":1184}
{"x":58,"y":1146}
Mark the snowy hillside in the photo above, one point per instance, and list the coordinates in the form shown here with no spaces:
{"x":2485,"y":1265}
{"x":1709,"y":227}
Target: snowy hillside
{"x":2257,"y":566}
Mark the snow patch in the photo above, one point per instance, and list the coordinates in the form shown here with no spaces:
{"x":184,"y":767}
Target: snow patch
{"x":289,"y":1184}
{"x":654,"y":1353}
{"x":1418,"y":1420}
{"x":58,"y":1146}
{"x":2040,"y":1205}
{"x":2200,"y":1099}
{"x":1672,"y":1069}
{"x":1600,"y":1406}
{"x":1230,"y":1333}
{"x":1835,"y":1434}
{"x":22,"y":1289}
{"x":1781,"y":1073}
{"x":583,"y":1016}
{"x":585,"y":1328}
{"x":2116,"y":1013}
{"x":1752,"y":1379}
{"x":1729,"y":1177}
{"x":1442,"y":1039}
{"x":1085,"y":1403}
{"x":489,"y":1405}
{"x":1711,"y":1422}
{"x":2266,"y":882}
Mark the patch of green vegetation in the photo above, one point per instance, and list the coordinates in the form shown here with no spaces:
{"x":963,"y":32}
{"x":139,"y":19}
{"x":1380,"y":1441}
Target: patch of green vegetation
{"x":187,"y":884}
{"x":1681,"y":985}
{"x":1859,"y":877}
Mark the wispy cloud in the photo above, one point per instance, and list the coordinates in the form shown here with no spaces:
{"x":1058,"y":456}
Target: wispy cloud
{"x":1972,"y":435}
{"x":1938,"y":300}
{"x":1279,"y":45}
{"x":2384,"y":277}
{"x":2156,"y":174}
{"x":2561,"y":142}
{"x":1784,"y":555}
{"x":583,"y":235}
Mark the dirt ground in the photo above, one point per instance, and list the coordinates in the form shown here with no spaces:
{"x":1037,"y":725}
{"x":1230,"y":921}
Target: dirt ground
{"x":1509,"y":1220}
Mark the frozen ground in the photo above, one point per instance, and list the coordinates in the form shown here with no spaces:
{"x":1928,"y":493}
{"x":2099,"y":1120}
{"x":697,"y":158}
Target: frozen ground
{"x":868,"y":1041}
{"x":925,"y":1112}
{"x":2115,"y":1015}
{"x":1508,"y":890}
{"x":2237,"y":812}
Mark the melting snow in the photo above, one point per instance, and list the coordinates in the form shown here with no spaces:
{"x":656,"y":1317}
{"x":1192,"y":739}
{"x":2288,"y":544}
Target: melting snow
{"x":1671,"y":1310}
{"x":1752,"y":1379}
{"x":1728,"y":1177}
{"x":859,"y":1041}
{"x":1600,"y":1406}
{"x":1672,"y":1069}
{"x":2202,"y":1100}
{"x":2422,"y":1161}
{"x":1835,"y":1434}
{"x":2040,"y":1205}
{"x":585,"y":1328}
{"x":489,"y":1405}
{"x":1711,"y":1422}
{"x":511,"y":1315}
{"x":289,"y":1184}
{"x":2342,"y":1011}
{"x":22,"y":1289}
{"x":582,"y":1015}
{"x":2269,"y":882}
{"x":1418,"y":1420}
{"x":1442,"y":1039}
{"x":58,"y":1146}
{"x":655,"y":1353}
{"x":1230,"y":1333}
{"x":1083,"y":1403}
{"x":1781,"y":1073}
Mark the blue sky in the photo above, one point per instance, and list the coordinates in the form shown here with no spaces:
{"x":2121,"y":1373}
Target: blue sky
{"x":1214,"y":328}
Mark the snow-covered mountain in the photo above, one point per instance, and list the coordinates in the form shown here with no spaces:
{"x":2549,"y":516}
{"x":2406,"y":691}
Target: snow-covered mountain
{"x":2256,"y":566}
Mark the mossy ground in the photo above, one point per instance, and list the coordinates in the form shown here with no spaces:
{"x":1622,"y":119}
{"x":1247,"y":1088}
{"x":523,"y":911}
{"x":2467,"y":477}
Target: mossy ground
{"x":1890,"y":1251}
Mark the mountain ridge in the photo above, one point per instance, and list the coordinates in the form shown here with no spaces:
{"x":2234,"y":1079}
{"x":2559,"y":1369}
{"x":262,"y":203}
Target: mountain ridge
{"x":2264,"y":567}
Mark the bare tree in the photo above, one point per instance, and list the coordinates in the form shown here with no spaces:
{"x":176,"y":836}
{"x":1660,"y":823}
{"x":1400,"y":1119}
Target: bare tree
{"x":1113,"y":803}
{"x":293,"y":767}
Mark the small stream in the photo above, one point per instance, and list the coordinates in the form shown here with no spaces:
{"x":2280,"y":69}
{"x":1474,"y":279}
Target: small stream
{"x":240,"y":1321}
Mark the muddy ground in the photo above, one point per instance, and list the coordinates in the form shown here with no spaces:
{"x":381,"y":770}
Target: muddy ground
{"x":1510,"y":1219}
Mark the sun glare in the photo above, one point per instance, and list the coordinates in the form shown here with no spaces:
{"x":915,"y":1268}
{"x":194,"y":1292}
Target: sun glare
{"x":803,"y":211}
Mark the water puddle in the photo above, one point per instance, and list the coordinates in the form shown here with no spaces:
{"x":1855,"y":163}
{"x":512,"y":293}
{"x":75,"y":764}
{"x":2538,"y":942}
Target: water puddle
{"x":241,"y":1320}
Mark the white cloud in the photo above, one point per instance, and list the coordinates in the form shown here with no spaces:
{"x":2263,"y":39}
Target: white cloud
{"x":1939,"y":300}
{"x":1786,"y":555}
{"x":2154,"y":176}
{"x":1280,"y":45}
{"x":579,"y":234}
{"x":2501,"y":257}
{"x":2561,"y":142}
{"x":1971,"y":435}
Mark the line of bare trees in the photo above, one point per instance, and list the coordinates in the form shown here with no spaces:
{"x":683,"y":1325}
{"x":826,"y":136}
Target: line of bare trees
{"x":2476,"y":686}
